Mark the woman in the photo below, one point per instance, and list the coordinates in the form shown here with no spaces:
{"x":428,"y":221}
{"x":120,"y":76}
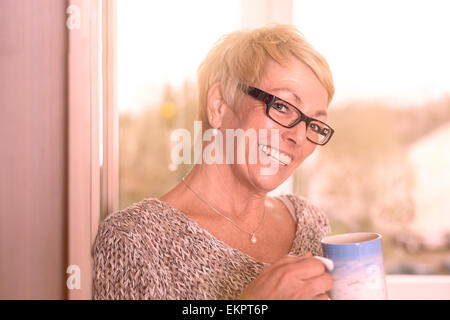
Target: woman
{"x":217,"y":234}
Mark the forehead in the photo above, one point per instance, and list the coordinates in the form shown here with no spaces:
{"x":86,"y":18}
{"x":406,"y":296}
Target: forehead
{"x":296,"y":83}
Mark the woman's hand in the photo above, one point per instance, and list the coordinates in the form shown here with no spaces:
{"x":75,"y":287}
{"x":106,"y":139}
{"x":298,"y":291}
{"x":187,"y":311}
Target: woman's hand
{"x":291,"y":278}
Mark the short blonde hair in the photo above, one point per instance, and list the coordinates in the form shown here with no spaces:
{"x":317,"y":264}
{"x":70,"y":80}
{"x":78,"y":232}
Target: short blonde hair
{"x":242,"y":56}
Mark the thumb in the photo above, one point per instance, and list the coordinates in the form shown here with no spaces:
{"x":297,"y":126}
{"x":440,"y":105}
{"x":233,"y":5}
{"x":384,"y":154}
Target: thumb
{"x":292,"y":258}
{"x":295,"y":257}
{"x":305,"y":255}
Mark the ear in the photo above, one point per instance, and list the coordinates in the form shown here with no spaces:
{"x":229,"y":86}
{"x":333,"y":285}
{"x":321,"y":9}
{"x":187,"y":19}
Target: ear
{"x":216,"y":106}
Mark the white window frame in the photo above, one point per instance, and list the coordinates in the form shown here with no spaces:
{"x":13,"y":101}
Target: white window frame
{"x":83,"y":145}
{"x":110,"y":169}
{"x":418,"y":287}
{"x":92,"y":124}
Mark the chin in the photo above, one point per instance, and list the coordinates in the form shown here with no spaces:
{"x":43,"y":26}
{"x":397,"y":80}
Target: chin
{"x":269,"y":182}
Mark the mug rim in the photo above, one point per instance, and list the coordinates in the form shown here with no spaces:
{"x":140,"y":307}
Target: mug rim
{"x":324,"y":241}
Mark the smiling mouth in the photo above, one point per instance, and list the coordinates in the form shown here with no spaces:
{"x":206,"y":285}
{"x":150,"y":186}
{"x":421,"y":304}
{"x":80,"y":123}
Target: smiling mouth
{"x":275,"y":154}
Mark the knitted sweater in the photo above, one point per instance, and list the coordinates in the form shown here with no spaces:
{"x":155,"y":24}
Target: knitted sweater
{"x":151,"y":250}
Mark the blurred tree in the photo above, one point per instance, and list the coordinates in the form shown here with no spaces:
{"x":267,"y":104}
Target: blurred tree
{"x":361,"y":178}
{"x":144,"y":145}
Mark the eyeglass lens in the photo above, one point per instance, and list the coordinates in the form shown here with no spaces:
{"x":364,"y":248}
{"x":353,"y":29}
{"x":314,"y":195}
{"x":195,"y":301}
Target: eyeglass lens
{"x":287,"y":115}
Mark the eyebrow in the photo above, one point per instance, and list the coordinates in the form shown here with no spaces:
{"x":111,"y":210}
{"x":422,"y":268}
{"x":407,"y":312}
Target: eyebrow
{"x":299,"y":101}
{"x":320,"y":113}
{"x":296,"y":97}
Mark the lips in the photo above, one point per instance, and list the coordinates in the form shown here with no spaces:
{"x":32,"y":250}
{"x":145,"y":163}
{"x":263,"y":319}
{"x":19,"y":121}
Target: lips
{"x":275,"y":154}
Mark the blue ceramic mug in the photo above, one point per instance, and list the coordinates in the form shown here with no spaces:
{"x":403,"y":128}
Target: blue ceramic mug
{"x":358,"y":272}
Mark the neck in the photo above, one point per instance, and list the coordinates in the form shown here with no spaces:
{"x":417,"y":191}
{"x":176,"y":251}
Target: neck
{"x":225,"y":191}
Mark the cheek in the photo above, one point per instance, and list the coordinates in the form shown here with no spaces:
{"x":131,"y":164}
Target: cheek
{"x":254,"y":117}
{"x":308,"y":150}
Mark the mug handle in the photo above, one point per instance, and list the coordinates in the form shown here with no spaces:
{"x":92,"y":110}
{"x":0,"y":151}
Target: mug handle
{"x":329,"y":265}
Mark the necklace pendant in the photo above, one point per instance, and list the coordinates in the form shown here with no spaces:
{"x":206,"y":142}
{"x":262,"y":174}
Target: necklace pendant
{"x":253,"y":239}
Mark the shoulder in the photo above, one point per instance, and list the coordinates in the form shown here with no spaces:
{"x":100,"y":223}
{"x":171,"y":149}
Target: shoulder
{"x":134,"y":225}
{"x":129,"y":220}
{"x":306,"y":212}
{"x":312,"y":225}
{"x":137,"y":212}
{"x":127,"y":252}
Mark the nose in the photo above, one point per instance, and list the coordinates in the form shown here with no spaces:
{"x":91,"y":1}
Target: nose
{"x":295,"y":135}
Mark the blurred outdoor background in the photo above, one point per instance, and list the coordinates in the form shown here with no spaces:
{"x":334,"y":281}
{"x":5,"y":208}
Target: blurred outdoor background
{"x":387,"y":168}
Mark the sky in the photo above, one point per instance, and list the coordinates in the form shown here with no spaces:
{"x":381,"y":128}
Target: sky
{"x":390,"y":50}
{"x":165,"y":41}
{"x":395,"y":49}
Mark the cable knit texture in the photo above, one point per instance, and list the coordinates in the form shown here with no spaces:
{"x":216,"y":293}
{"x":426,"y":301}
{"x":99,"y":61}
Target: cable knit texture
{"x":151,"y":250}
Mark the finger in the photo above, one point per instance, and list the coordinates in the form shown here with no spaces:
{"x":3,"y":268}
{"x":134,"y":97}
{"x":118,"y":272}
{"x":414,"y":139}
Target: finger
{"x":321,"y":296}
{"x":306,"y":268}
{"x":300,"y":257}
{"x":319,"y":285}
{"x":306,"y":255}
{"x":288,"y":259}
{"x":288,"y":266}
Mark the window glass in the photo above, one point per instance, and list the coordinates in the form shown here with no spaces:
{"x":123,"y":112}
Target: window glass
{"x":160,"y":45}
{"x":387,"y":167}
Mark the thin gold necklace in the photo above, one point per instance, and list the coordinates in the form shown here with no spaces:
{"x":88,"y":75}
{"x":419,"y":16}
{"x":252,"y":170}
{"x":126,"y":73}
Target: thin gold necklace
{"x":251,"y":234}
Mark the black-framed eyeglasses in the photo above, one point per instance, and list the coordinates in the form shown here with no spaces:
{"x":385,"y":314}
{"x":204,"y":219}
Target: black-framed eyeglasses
{"x":288,"y":116}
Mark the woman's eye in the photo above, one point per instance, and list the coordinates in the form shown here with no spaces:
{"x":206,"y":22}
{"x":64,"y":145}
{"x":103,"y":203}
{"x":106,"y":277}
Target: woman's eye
{"x":280,"y":107}
{"x":315,"y":127}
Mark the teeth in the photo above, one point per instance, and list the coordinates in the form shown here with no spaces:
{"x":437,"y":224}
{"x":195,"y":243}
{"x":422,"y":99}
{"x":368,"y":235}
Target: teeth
{"x":275,"y":154}
{"x":284,"y":158}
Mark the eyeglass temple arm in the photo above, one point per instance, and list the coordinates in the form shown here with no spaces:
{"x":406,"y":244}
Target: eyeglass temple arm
{"x":259,"y":94}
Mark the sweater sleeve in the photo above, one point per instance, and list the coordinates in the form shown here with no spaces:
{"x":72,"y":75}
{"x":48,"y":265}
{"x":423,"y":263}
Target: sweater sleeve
{"x":313,"y":225}
{"x":318,"y":224}
{"x":117,"y":269}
